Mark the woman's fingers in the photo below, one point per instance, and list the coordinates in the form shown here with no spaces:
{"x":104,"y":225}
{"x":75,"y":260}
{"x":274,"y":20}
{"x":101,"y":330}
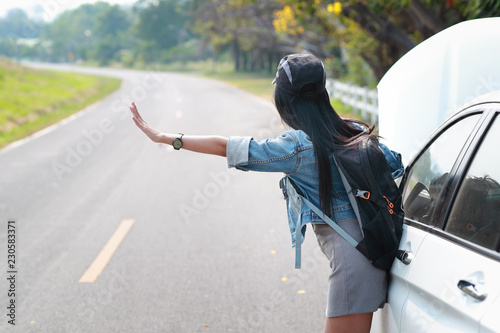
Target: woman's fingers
{"x":136,"y":121}
{"x":143,"y":126}
{"x":136,"y":117}
{"x":148,"y":130}
{"x":135,"y":112}
{"x":133,"y":108}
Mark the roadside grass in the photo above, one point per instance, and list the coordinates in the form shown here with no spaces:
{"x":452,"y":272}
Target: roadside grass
{"x":257,"y":83}
{"x":31,"y":99}
{"x":345,"y":111}
{"x":189,"y":67}
{"x":260,"y":85}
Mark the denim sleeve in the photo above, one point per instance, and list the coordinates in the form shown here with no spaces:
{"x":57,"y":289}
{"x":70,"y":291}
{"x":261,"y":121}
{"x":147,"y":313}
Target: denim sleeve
{"x":270,"y":155}
{"x":394,"y":160}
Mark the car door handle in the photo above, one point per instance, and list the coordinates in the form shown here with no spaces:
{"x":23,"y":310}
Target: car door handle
{"x":406,"y":257}
{"x":470,"y":289}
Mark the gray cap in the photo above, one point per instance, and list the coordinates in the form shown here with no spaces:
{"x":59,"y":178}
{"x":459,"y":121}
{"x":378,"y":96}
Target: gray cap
{"x":301,"y":74}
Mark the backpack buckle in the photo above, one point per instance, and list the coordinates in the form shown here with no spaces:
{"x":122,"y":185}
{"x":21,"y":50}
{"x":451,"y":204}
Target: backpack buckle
{"x":283,"y":187}
{"x":363,"y":194}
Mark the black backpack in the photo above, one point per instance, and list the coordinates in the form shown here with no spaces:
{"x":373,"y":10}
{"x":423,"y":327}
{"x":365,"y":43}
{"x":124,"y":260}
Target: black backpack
{"x":375,"y":198}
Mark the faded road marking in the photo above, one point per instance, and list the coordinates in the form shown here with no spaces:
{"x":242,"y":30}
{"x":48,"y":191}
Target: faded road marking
{"x":102,"y":259}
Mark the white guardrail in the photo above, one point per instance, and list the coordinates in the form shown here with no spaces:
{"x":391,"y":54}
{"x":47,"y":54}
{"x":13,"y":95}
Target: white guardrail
{"x":361,"y":99}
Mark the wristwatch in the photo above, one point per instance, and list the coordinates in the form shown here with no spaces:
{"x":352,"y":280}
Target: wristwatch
{"x":178,"y":142}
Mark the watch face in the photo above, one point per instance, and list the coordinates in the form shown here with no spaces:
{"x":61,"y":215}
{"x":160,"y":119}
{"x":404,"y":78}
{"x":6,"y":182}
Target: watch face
{"x":177,"y":144}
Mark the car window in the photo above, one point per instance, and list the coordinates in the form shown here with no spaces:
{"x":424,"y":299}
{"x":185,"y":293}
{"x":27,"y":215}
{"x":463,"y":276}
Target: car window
{"x":475,"y":215}
{"x":430,"y":172}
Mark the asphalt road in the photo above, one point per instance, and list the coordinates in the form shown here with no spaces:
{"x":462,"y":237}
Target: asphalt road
{"x":209,"y":248}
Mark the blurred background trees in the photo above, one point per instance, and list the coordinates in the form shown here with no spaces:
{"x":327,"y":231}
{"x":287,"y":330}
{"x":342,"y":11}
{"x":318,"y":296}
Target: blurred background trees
{"x":358,"y":40}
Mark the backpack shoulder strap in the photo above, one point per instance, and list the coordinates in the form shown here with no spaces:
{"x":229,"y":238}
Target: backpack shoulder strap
{"x":349,"y":191}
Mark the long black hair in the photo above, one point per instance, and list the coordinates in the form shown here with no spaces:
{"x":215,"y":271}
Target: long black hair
{"x":314,"y":114}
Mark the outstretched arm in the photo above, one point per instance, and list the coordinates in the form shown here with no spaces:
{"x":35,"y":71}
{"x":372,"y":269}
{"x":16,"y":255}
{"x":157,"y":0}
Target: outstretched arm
{"x":215,"y":145}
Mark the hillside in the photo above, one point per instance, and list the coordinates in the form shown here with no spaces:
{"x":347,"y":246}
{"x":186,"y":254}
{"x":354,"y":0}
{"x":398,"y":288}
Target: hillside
{"x":33,"y":99}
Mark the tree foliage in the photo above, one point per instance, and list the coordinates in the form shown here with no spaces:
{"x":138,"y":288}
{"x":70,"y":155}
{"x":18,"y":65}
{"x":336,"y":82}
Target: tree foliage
{"x":111,"y":30}
{"x":381,"y":31}
{"x":243,"y":27}
{"x":17,"y":24}
{"x":74,"y":34}
{"x":359,"y":40}
{"x":162,"y":23}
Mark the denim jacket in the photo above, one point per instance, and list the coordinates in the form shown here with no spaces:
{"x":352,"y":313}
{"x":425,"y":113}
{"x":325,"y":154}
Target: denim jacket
{"x":292,"y":153}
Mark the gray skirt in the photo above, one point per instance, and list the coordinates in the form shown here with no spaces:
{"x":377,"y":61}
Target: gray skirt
{"x":355,"y":285}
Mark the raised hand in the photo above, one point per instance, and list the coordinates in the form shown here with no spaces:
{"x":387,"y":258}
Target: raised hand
{"x":144,"y":126}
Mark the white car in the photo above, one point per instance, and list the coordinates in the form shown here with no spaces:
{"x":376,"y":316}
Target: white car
{"x":448,"y":276}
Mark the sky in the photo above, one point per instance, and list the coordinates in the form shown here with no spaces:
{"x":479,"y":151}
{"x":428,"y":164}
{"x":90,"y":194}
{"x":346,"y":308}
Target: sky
{"x":48,"y":9}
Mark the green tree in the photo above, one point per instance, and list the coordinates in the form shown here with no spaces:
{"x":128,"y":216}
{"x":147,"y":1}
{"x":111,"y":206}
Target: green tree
{"x":96,"y":32}
{"x":161,"y":25}
{"x":243,"y":27}
{"x":14,"y":27}
{"x":381,"y":31}
{"x":17,"y":24}
{"x":113,"y":22}
{"x":73,"y":33}
{"x":112,"y":30}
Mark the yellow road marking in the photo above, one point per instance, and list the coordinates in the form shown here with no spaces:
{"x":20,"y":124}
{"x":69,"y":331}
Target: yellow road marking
{"x":102,"y":259}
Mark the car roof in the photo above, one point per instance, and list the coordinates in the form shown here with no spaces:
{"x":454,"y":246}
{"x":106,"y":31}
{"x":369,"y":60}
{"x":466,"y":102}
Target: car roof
{"x":492,"y":97}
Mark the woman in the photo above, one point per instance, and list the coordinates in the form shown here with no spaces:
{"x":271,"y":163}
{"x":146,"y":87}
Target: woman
{"x":356,"y":287}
